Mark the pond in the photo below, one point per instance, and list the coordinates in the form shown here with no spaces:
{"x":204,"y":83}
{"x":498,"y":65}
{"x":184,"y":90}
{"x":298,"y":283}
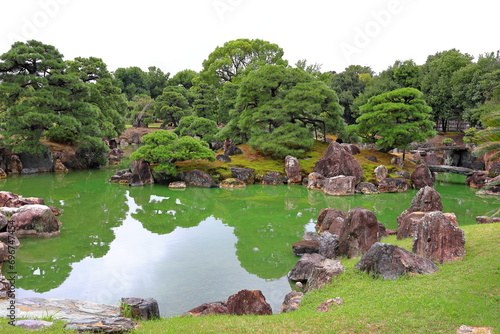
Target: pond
{"x":186,"y":247}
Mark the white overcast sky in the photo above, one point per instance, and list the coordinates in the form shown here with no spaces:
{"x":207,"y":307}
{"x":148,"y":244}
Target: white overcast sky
{"x":178,"y":35}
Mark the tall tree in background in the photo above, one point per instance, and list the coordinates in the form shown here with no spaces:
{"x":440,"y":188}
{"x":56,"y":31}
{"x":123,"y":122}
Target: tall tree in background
{"x":43,"y":98}
{"x":132,"y":81}
{"x":236,"y":58}
{"x":437,"y":85}
{"x":395,"y":119}
{"x":157,"y":81}
{"x":170,"y":107}
{"x":183,"y":78}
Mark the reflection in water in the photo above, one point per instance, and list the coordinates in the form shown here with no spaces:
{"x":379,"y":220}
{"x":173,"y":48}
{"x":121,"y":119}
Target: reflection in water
{"x":188,"y":247}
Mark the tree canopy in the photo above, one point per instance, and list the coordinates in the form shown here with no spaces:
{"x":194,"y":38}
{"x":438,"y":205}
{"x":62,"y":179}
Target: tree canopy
{"x":395,"y":119}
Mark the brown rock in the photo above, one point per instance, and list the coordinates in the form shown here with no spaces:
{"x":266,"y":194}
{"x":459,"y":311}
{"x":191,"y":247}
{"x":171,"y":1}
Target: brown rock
{"x":305,"y":247}
{"x":316,"y":181}
{"x":177,"y":185}
{"x":14,"y":164}
{"x":329,"y":216}
{"x":351,"y":148}
{"x":438,"y":239}
{"x":248,"y":302}
{"x":407,"y":223}
{"x":422,"y":176}
{"x":325,"y":306}
{"x":487,"y":220}
{"x":208,"y":309}
{"x":11,"y":200}
{"x":142,"y":308}
{"x":141,"y":173}
{"x":340,"y":185}
{"x":292,"y":302}
{"x":3,"y":174}
{"x":393,"y":185}
{"x":477,"y":179}
{"x":337,"y":161}
{"x":431,"y":159}
{"x":197,"y":178}
{"x":59,"y":166}
{"x":358,"y":233}
{"x":35,"y":220}
{"x":323,"y":273}
{"x":397,"y":161}
{"x":292,"y":170}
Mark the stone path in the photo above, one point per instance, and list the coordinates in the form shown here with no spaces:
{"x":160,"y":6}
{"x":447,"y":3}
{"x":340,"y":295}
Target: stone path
{"x":79,"y":315}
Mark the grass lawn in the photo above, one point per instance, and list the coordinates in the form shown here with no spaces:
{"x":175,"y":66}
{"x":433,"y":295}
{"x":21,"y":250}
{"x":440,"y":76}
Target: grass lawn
{"x":463,"y":292}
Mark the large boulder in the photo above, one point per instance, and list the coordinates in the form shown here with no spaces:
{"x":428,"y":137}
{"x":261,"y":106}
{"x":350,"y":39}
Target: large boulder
{"x":315,"y":181}
{"x":303,"y":267}
{"x":391,"y":262}
{"x":292,"y":302}
{"x":141,"y":173}
{"x":323,"y":273}
{"x":422,"y":176}
{"x":247,"y":175}
{"x":340,"y":185}
{"x":489,"y":188}
{"x":330,"y":217}
{"x":393,"y":185}
{"x":351,"y":148}
{"x":407,"y":224}
{"x":231,"y":149}
{"x":292,"y":170}
{"x":478,"y":179}
{"x":41,"y":162}
{"x":438,"y":238}
{"x":336,"y":161}
{"x":197,"y":178}
{"x":35,"y":220}
{"x":248,"y":302}
{"x":358,"y":233}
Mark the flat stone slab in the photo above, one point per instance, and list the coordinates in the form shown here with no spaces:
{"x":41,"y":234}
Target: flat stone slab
{"x":80,"y":315}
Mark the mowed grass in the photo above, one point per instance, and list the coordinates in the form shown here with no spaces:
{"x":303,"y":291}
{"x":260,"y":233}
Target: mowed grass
{"x":463,"y":292}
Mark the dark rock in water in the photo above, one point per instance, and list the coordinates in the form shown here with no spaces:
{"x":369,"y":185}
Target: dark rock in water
{"x":208,"y":309}
{"x":123,"y":178}
{"x":33,"y":324}
{"x":329,"y":245}
{"x":323,"y":273}
{"x":438,"y":238}
{"x":248,"y":302}
{"x":42,"y":162}
{"x":391,"y":262}
{"x":303,"y":267}
{"x":197,"y":178}
{"x":223,"y":158}
{"x":316,"y":181}
{"x":144,"y":309}
{"x":360,"y":230}
{"x":141,"y":173}
{"x":372,"y":158}
{"x":393,"y":185}
{"x":351,"y":148}
{"x":245,"y":174}
{"x":477,"y":179}
{"x":336,"y":161}
{"x":115,"y":156}
{"x":340,"y":185}
{"x":272,"y":179}
{"x":305,"y":247}
{"x":292,"y":170}
{"x":366,"y":188}
{"x":422,"y":176}
{"x":35,"y":220}
{"x":292,"y":302}
{"x":11,"y":200}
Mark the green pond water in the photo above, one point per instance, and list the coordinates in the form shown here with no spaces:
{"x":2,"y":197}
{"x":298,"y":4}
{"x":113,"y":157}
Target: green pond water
{"x":186,"y":247}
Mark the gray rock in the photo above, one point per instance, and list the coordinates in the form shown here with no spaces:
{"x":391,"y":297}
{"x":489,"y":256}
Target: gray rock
{"x":366,"y":188}
{"x":391,"y":262}
{"x":197,"y":178}
{"x":340,"y":185}
{"x":329,"y":245}
{"x":247,"y":175}
{"x":336,"y":161}
{"x":33,"y":324}
{"x":393,"y":185}
{"x":144,"y":309}
{"x":141,"y":174}
{"x":292,"y":170}
{"x":112,"y":325}
{"x":292,"y":302}
{"x":302,"y":269}
{"x":305,"y":247}
{"x":381,"y":172}
{"x":315,"y":181}
{"x":323,"y":273}
{"x":223,"y":158}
